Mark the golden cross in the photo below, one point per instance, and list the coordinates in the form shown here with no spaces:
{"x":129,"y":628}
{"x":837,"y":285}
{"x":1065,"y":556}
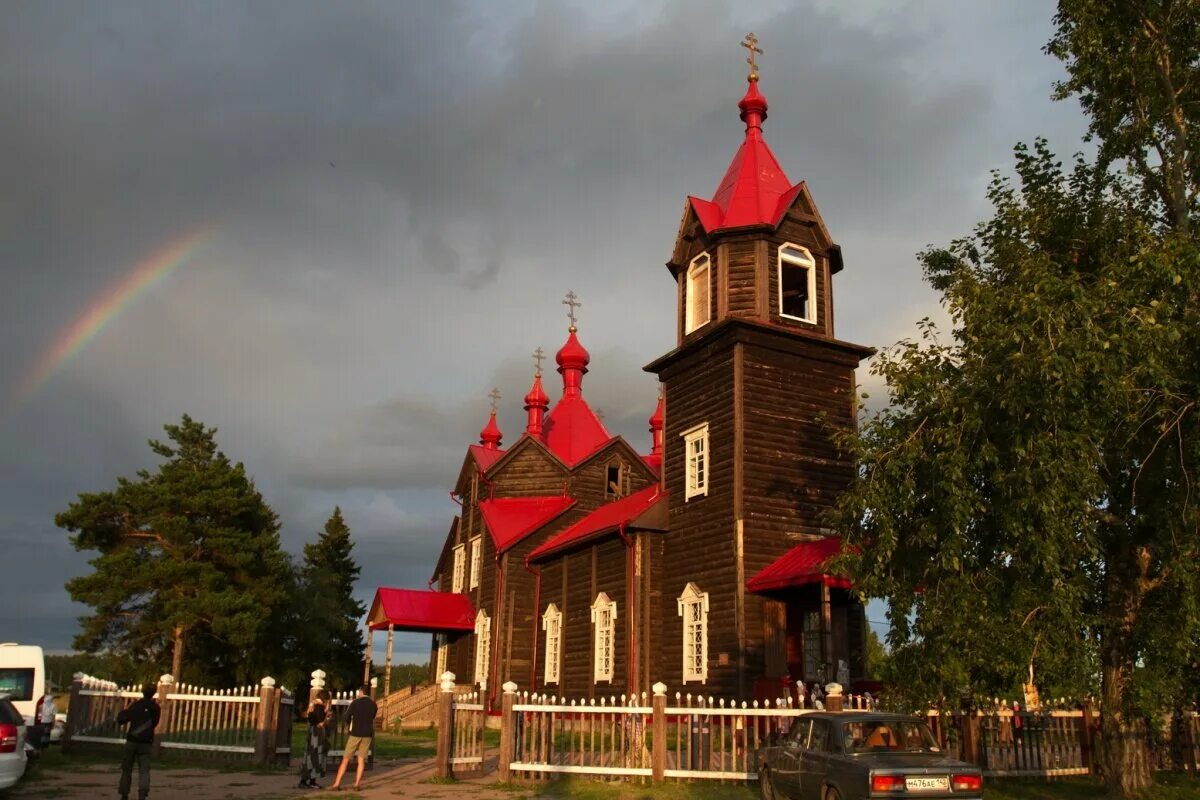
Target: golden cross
{"x":494,"y":396}
{"x":573,"y":302}
{"x":751,"y":45}
{"x":539,"y":356}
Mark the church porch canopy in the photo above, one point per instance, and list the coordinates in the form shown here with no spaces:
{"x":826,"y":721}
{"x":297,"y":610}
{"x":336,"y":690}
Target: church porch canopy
{"x":421,"y":610}
{"x":802,"y":565}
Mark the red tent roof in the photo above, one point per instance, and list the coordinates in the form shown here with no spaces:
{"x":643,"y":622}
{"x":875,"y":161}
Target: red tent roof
{"x":604,"y":519}
{"x":511,"y":519}
{"x":755,"y":190}
{"x":421,"y":610}
{"x":484,"y":456}
{"x":572,"y":430}
{"x":801,"y":565}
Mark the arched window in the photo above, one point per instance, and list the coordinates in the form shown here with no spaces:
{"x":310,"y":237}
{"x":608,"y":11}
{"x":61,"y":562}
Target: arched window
{"x":460,"y":567}
{"x":604,"y":624}
{"x":483,"y":646}
{"x":797,"y":283}
{"x":476,"y":560}
{"x":699,"y":293}
{"x":552,"y":625}
{"x":693,"y":607}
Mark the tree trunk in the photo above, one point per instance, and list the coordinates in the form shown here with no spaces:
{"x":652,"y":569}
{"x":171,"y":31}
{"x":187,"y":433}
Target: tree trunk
{"x":177,"y":654}
{"x":1122,"y":755}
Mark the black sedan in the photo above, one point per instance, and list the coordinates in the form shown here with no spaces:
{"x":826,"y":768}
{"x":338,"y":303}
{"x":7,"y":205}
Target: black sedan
{"x":858,"y":755}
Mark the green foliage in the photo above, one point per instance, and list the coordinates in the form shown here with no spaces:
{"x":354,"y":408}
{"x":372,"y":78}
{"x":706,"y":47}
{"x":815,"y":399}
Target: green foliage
{"x":878,"y":657}
{"x":1134,"y":69}
{"x":405,"y":675}
{"x":329,"y":633}
{"x":187,"y":554}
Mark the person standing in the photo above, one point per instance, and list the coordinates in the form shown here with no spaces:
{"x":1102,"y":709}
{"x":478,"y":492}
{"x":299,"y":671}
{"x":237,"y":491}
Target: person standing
{"x":314,"y":743}
{"x":142,"y":718}
{"x":362,"y":712}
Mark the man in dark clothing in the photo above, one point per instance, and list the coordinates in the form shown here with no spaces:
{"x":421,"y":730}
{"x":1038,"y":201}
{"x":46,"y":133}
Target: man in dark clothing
{"x":362,"y":713}
{"x":142,"y":718}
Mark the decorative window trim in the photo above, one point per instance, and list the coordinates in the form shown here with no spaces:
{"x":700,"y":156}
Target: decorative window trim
{"x":805,"y":262}
{"x":443,"y":653}
{"x":552,"y":625}
{"x":604,"y":629}
{"x":701,"y":263}
{"x":693,"y":608}
{"x":810,"y":642}
{"x":476,"y":560}
{"x":483,"y":647}
{"x":696,"y":461}
{"x":460,"y":568}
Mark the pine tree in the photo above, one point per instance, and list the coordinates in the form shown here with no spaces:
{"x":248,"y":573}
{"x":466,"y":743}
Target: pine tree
{"x":188,"y":555}
{"x":329,"y":632}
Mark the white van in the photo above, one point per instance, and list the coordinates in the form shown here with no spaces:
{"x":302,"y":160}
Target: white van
{"x":23,"y":677}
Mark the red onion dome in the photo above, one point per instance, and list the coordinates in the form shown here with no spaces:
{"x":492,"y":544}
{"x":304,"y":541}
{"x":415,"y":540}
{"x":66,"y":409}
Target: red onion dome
{"x":490,"y":436}
{"x":753,"y":107}
{"x":537,"y":395}
{"x":572,"y":355}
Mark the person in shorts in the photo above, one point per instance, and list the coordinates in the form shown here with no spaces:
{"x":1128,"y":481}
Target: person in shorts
{"x":362,"y":712}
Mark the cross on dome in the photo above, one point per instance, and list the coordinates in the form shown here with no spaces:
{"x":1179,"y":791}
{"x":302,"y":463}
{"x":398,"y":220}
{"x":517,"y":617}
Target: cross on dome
{"x":751,"y":45}
{"x":539,"y":356}
{"x":572,"y":301}
{"x":494,"y":396}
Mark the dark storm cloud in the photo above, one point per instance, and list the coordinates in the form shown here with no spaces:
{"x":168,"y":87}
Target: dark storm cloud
{"x":399,"y":195}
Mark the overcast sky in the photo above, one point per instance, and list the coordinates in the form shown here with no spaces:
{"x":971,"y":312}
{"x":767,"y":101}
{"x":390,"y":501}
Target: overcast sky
{"x":396,"y":196}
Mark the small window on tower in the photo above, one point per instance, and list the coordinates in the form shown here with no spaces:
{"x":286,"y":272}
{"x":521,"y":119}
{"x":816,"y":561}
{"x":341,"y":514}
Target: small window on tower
{"x":695,"y":460}
{"x":699,"y":293}
{"x":614,"y":479}
{"x":797,"y":283}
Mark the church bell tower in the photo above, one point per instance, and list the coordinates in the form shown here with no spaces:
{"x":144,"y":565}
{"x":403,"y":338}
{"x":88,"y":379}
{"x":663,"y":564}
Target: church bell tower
{"x":755,"y":382}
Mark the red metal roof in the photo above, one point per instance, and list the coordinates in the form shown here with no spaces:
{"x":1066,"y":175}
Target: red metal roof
{"x":604,"y":519}
{"x":485,"y":456}
{"x":800,"y":566}
{"x":755,"y":190}
{"x":572,"y":430}
{"x":511,"y":519}
{"x":421,"y":610}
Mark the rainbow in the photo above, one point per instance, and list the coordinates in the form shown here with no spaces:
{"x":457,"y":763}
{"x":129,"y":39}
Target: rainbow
{"x":106,"y":307}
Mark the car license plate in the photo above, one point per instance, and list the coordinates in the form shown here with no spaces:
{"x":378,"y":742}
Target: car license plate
{"x":935,"y":783}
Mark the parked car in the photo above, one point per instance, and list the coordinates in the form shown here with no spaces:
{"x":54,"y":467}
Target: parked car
{"x":12,"y":743}
{"x":23,"y":679}
{"x":858,"y":755}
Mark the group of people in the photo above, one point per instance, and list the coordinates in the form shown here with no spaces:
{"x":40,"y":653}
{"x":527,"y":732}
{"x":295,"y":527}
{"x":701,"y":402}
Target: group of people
{"x":141,"y":718}
{"x":320,"y":718}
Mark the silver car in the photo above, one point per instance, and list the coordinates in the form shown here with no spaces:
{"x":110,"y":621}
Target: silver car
{"x":858,"y":755}
{"x":12,"y":743}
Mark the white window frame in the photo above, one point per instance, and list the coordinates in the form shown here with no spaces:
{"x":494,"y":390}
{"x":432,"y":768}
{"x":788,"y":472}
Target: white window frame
{"x":476,"y":560}
{"x":552,"y":625}
{"x":697,"y":461}
{"x":604,"y":638}
{"x":483,"y":648}
{"x":460,"y":568}
{"x":693,"y":608}
{"x":694,"y":269}
{"x":803,"y":259}
{"x":443,"y":652}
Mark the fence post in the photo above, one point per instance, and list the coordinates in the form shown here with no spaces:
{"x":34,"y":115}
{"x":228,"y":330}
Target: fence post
{"x":264,"y":742}
{"x":833,"y":696}
{"x":658,"y":730}
{"x":970,"y":738}
{"x":75,"y":713}
{"x":445,"y":720}
{"x":508,"y":728}
{"x":1085,"y":737}
{"x":166,"y":683}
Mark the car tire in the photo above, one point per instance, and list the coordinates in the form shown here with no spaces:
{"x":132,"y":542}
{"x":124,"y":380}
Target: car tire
{"x":832,"y":794}
{"x":765,"y":791}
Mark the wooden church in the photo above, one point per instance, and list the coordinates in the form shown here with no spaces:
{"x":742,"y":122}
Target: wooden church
{"x":579,"y":566}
